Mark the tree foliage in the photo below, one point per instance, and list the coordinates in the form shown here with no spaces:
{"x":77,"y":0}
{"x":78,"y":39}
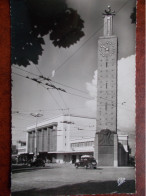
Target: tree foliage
{"x":33,"y":19}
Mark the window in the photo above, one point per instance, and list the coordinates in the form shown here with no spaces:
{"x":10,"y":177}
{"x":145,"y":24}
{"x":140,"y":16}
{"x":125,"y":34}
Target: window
{"x":106,"y":106}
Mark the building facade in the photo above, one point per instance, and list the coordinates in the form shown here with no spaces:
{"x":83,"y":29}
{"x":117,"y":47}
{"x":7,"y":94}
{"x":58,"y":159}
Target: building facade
{"x":66,"y":138}
{"x":62,"y":139}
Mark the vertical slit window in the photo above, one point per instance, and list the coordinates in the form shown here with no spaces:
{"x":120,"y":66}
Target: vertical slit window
{"x":106,"y":106}
{"x":106,"y":64}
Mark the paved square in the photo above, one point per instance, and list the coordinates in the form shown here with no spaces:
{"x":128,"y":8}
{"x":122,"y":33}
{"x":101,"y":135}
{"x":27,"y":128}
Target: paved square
{"x":55,"y":176}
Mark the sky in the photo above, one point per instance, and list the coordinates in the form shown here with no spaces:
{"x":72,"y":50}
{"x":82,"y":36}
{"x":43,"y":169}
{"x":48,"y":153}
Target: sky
{"x":79,"y":72}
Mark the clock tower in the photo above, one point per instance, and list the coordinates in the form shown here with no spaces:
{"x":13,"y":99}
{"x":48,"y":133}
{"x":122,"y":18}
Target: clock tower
{"x":106,"y":146}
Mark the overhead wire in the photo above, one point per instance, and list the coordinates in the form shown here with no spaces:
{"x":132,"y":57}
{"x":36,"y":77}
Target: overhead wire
{"x":74,"y":89}
{"x":68,"y":60}
{"x":47,"y":88}
{"x":62,"y":64}
{"x":53,"y":81}
{"x":16,"y":111}
{"x":57,"y":91}
{"x":38,"y":69}
{"x":70,"y":87}
{"x":81,"y":47}
{"x":66,"y":91}
{"x":52,"y":94}
{"x":113,"y":104}
{"x":86,"y":40}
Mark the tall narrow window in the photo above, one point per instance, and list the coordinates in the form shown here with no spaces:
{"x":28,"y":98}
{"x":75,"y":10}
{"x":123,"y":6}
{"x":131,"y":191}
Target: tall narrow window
{"x":106,"y":84}
{"x":106,"y":106}
{"x":106,"y":64}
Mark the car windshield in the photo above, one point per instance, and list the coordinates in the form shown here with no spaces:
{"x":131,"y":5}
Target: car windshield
{"x":88,"y":159}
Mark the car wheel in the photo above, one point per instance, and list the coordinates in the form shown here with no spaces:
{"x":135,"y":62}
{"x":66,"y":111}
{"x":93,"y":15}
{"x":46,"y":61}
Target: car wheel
{"x":94,"y":167}
{"x":86,"y":166}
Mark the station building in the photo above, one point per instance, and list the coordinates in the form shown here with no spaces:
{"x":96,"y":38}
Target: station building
{"x":65,"y":138}
{"x":62,"y":139}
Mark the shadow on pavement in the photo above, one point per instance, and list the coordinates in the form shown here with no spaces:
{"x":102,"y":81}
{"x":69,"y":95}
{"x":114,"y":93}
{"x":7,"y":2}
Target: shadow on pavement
{"x":25,"y":168}
{"x":30,"y":169}
{"x":83,"y":188}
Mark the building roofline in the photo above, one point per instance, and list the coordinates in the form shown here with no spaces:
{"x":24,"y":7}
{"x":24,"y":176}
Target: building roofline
{"x":39,"y":126}
{"x":80,"y":116}
{"x":72,"y":115}
{"x":42,"y":123}
{"x":68,"y":152}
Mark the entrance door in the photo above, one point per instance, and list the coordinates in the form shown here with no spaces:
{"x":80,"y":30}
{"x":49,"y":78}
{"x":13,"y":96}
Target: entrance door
{"x":73,"y":158}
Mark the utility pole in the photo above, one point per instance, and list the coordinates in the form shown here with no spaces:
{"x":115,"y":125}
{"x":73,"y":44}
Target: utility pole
{"x":37,"y":115}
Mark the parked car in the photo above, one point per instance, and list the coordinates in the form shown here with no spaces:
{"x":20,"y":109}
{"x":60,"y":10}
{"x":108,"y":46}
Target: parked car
{"x":86,"y":161}
{"x":14,"y":159}
{"x":37,"y":163}
{"x":131,"y":161}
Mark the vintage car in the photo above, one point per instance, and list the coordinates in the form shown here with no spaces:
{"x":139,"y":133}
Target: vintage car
{"x":87,"y":161}
{"x":37,"y":163}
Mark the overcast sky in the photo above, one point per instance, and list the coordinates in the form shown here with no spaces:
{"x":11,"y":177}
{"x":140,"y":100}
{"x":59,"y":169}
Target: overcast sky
{"x":79,"y":71}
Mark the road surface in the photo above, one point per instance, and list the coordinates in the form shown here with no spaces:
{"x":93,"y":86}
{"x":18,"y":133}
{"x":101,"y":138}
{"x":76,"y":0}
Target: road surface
{"x":57,"y":177}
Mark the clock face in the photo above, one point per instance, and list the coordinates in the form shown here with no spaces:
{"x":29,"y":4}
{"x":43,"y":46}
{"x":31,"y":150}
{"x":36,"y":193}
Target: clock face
{"x":107,"y":48}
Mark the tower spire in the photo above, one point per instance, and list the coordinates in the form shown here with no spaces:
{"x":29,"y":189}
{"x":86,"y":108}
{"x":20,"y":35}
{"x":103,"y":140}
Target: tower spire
{"x":108,"y":21}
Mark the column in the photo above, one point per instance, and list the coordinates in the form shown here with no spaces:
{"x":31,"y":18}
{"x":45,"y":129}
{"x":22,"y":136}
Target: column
{"x":42,"y":140}
{"x":27,"y":142}
{"x":115,"y":150}
{"x":49,"y":132}
{"x":33,"y":142}
{"x":96,"y":147}
{"x":46,"y":140}
{"x":77,"y":157}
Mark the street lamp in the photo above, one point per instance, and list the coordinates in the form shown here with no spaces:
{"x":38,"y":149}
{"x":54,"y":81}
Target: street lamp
{"x":35,"y":137}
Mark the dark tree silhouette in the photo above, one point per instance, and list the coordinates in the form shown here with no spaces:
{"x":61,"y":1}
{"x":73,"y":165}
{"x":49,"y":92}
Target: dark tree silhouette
{"x":33,"y":19}
{"x":133,"y":16}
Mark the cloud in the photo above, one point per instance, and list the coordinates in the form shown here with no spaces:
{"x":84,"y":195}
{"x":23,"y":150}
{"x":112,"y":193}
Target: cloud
{"x":92,"y":89}
{"x":53,"y":73}
{"x":126,"y":93}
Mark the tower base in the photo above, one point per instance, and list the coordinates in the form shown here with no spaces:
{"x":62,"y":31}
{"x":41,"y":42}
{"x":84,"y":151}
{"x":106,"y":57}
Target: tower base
{"x":106,"y":148}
